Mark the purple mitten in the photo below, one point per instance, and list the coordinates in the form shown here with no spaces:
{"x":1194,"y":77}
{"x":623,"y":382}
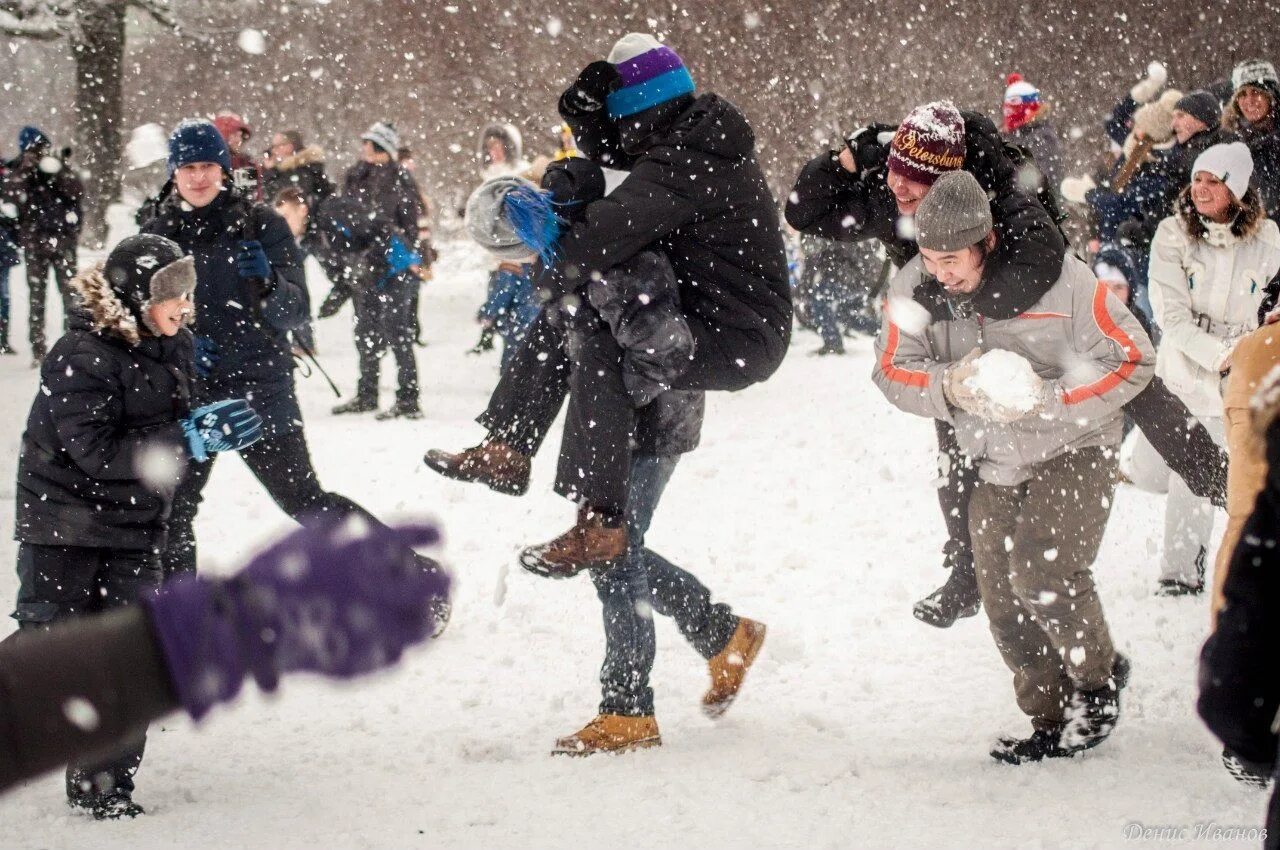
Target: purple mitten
{"x":338,"y":599}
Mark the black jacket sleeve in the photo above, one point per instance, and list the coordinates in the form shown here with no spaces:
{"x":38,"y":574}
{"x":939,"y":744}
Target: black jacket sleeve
{"x":653,"y":201}
{"x":287,"y":306}
{"x":87,"y":407}
{"x":830,"y":202}
{"x":1239,"y":668}
{"x":1027,"y":260}
{"x":78,"y":690}
{"x":596,"y":134}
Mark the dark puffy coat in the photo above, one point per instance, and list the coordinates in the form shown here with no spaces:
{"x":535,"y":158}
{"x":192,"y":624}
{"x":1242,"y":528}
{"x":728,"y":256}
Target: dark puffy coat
{"x":103,"y":445}
{"x":1264,"y":144}
{"x":671,"y":424}
{"x":390,"y":193}
{"x":48,"y":202}
{"x":304,"y":171}
{"x":248,"y":320}
{"x":1240,"y":665}
{"x":113,"y":661}
{"x":831,"y":202}
{"x":639,"y":300}
{"x":696,"y":194}
{"x":350,"y":242}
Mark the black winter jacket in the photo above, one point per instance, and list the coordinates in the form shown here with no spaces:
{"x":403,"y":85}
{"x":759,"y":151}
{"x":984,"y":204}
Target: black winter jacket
{"x":696,"y":194}
{"x":103,"y":447}
{"x":1240,"y":663}
{"x":390,"y":193}
{"x":829,"y":201}
{"x":304,"y":171}
{"x":49,"y":205}
{"x":248,"y":320}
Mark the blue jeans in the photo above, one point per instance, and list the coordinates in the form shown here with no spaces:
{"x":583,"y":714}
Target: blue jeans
{"x":4,"y":294}
{"x":643,"y":584}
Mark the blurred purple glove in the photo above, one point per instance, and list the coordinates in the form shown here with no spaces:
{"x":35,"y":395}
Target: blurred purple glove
{"x":340,"y":599}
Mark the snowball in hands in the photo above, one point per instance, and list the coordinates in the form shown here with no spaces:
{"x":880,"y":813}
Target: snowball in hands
{"x":1006,"y":385}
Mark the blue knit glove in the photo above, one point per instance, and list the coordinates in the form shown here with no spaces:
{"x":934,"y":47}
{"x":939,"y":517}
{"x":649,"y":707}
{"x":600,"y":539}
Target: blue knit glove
{"x":207,"y":356}
{"x":251,"y":260}
{"x":399,"y":257}
{"x":224,"y":426}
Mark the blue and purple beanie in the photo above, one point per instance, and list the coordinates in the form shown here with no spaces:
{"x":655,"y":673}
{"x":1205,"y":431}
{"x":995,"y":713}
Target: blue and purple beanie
{"x":651,"y":74}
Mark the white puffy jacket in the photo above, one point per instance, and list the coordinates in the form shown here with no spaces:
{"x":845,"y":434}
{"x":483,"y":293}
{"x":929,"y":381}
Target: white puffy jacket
{"x":1206,"y":293}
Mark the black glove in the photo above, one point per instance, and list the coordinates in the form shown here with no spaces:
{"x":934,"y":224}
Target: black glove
{"x":868,"y":149}
{"x":574,"y":183}
{"x":594,"y":85}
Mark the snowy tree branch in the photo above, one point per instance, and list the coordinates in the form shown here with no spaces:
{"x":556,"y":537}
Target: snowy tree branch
{"x":159,"y":12}
{"x":40,"y":29}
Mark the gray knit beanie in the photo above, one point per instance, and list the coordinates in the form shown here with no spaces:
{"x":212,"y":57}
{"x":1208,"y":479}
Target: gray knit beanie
{"x":954,"y":214}
{"x":487,"y":224}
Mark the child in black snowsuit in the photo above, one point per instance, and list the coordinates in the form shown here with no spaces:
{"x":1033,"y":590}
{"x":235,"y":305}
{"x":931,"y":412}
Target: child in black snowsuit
{"x":108,"y":438}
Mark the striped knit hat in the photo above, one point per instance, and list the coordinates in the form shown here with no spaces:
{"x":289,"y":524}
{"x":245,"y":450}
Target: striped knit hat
{"x":651,"y":74}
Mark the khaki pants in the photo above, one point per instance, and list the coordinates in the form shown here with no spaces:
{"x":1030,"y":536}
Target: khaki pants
{"x":1033,"y":546}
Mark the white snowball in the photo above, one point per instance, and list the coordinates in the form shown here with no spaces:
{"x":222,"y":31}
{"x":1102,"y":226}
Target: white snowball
{"x":81,"y":713}
{"x":1008,"y":379}
{"x":147,"y":144}
{"x":252,"y":41}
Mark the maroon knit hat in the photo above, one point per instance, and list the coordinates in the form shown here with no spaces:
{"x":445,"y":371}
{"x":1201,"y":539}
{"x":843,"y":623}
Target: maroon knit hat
{"x":929,"y":143}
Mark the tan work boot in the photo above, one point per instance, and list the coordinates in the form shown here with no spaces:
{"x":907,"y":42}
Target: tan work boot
{"x":492,"y":463}
{"x":590,"y":543}
{"x":729,"y":667}
{"x":610,"y":733}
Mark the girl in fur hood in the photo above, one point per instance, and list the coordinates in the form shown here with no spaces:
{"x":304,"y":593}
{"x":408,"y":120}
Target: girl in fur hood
{"x":108,"y":438}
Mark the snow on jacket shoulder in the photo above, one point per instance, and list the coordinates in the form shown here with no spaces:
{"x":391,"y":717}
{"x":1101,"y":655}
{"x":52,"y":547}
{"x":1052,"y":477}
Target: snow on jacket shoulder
{"x":1078,"y":337}
{"x":1206,"y":293}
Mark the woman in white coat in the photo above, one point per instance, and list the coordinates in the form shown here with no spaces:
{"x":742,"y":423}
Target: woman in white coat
{"x":1211,"y":263}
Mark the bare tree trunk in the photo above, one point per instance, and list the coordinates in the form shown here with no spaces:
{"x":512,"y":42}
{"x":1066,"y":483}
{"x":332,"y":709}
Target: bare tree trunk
{"x":99,"y":54}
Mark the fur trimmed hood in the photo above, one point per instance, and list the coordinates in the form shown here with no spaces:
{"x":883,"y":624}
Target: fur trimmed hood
{"x":105,"y":311}
{"x":309,"y":155}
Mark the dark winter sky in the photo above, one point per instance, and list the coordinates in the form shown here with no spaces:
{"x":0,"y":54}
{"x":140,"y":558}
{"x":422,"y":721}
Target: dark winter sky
{"x":801,"y":69}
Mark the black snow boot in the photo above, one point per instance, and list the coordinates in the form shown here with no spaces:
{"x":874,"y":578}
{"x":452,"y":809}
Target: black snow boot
{"x":356,"y":405}
{"x":1174,"y":587}
{"x":441,"y":608}
{"x":1043,"y":744}
{"x":111,"y":806}
{"x":401,"y":410}
{"x":956,"y":599}
{"x":1091,"y":715}
{"x":1246,"y":773}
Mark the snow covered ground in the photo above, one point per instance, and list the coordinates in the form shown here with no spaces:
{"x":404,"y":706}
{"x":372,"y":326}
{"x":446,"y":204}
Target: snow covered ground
{"x":809,"y":506}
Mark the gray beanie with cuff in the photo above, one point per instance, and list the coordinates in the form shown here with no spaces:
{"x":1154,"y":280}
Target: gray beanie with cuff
{"x":954,"y":215}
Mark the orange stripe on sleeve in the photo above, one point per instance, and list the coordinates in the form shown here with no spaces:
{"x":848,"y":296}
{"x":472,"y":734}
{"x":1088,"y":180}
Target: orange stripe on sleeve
{"x":1113,"y":379}
{"x":910,"y":377}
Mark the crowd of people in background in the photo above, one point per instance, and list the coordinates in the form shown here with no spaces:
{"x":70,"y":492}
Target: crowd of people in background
{"x":1035,"y":316}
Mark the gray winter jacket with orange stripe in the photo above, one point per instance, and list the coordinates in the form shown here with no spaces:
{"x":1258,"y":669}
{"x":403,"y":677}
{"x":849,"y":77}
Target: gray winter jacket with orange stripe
{"x":1086,"y":345}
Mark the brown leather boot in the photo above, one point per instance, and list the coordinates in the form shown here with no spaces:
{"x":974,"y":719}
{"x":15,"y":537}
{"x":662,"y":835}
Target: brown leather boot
{"x":610,"y":733}
{"x":492,"y":463}
{"x":590,"y":543}
{"x":729,"y":667}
